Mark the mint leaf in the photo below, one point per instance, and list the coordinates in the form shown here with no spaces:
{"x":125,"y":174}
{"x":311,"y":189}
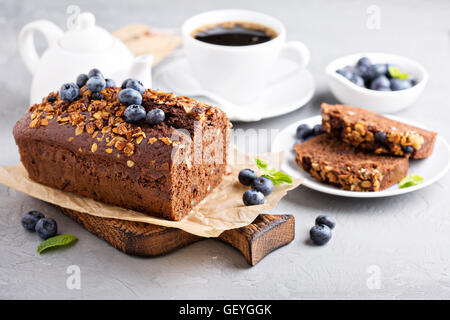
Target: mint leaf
{"x":271,"y":172}
{"x":261,"y":164}
{"x":410,"y":181}
{"x":396,"y":73}
{"x":56,"y":241}
{"x":282,"y":177}
{"x":277,"y":177}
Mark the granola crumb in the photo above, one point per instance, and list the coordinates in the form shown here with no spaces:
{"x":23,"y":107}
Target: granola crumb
{"x":166,"y":140}
{"x":79,"y":130}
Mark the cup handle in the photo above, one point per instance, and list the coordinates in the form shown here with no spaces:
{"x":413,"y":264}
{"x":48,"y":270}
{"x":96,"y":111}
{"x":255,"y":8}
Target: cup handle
{"x":297,"y":52}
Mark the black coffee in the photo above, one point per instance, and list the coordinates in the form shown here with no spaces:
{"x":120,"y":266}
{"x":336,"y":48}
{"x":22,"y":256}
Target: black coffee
{"x":234,"y":33}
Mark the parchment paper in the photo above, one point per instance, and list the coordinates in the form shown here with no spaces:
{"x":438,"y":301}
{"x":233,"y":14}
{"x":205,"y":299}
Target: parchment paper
{"x":221,"y":210}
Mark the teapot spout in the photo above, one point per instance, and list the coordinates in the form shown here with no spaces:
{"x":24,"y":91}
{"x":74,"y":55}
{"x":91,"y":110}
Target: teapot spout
{"x":140,"y":69}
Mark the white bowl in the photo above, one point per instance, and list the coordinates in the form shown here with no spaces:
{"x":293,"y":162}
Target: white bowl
{"x":378,"y":101}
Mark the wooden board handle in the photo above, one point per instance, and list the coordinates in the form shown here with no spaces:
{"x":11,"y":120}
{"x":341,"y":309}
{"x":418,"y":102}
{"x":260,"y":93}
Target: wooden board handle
{"x":262,"y":236}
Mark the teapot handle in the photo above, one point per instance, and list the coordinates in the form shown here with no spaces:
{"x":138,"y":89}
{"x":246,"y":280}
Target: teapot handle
{"x":26,"y":40}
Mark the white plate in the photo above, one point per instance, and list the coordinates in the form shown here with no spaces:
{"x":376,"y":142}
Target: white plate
{"x":279,"y":98}
{"x":431,"y":169}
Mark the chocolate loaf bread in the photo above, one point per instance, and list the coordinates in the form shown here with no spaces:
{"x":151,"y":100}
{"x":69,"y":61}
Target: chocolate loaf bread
{"x":87,"y":148}
{"x":371,"y":131}
{"x":331,"y":161}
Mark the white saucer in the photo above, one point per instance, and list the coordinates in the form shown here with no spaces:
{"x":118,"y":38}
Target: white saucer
{"x":279,"y":98}
{"x":431,"y":169}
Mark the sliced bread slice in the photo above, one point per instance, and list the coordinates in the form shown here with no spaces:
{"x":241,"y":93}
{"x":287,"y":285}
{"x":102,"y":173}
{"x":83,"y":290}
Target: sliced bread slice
{"x":371,"y":131}
{"x":332,"y":161}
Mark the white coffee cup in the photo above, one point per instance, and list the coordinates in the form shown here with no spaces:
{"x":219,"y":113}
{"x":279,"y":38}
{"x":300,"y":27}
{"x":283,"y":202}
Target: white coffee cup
{"x":238,"y":73}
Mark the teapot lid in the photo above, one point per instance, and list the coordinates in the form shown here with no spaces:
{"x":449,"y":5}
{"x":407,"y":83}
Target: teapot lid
{"x":86,"y":36}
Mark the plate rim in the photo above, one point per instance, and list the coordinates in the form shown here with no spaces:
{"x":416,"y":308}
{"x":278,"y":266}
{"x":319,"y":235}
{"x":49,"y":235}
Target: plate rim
{"x":321,"y":187}
{"x":272,"y":112}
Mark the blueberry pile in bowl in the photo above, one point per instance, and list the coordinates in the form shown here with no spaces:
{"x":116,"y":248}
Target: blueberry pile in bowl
{"x":378,"y":76}
{"x":130,"y":95}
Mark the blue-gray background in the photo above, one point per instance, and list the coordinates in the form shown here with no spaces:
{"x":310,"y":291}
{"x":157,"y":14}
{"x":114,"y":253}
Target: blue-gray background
{"x":405,"y":238}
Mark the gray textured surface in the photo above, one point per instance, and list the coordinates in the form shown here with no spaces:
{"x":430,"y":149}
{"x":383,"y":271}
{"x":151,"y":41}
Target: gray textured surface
{"x":406,"y":237}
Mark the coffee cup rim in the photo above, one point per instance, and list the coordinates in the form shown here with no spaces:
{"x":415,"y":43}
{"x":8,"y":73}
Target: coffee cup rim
{"x":278,"y":28}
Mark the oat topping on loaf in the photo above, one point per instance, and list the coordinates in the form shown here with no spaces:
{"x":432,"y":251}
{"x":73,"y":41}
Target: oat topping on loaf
{"x":331,"y":161}
{"x":371,"y":131}
{"x":103,"y":119}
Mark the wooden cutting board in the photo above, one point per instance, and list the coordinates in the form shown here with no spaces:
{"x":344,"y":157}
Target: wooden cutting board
{"x":255,"y":241}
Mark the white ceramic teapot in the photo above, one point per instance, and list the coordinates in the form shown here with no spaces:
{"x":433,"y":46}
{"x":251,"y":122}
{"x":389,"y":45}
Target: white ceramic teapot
{"x":76,"y":51}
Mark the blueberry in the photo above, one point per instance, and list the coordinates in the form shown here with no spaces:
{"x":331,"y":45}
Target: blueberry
{"x":413,"y":80}
{"x":155,"y":116}
{"x":110,"y":83}
{"x":380,"y":137}
{"x":320,"y":234}
{"x":134,"y":113}
{"x":97,"y":96}
{"x":96,"y":84}
{"x":303,"y":131}
{"x":69,"y":91}
{"x":247,"y":176}
{"x":345,"y":72}
{"x":407,"y":149}
{"x":136,"y":85}
{"x":361,"y":71}
{"x":358,"y":80}
{"x":381,"y":83}
{"x":46,"y":228}
{"x":397,"y":84}
{"x":364,"y":61}
{"x":124,"y":83}
{"x":95,"y":73}
{"x":252,"y":197}
{"x":263,"y":185}
{"x":376,"y":70}
{"x":81,"y":80}
{"x":324,"y":219}
{"x":317,"y":130}
{"x":30,"y":219}
{"x":51,"y":99}
{"x":129,"y":96}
